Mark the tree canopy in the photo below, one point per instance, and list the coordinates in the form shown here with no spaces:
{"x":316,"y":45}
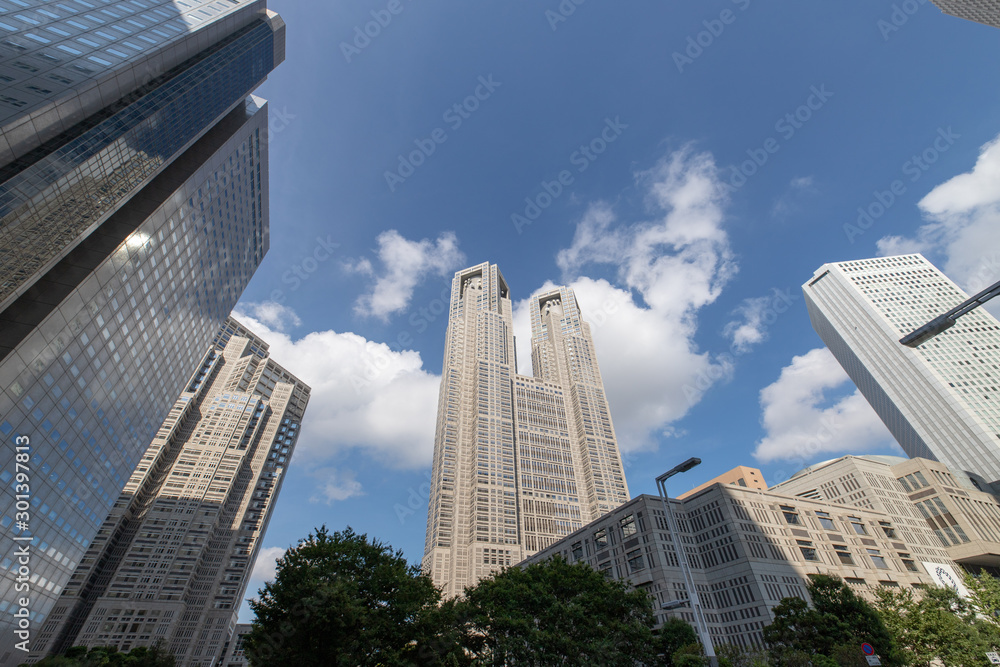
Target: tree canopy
{"x":554,"y":613}
{"x":109,"y":656}
{"x":340,"y":599}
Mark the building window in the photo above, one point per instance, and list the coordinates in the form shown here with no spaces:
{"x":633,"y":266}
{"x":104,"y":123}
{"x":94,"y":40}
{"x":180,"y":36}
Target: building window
{"x":808,"y":550}
{"x":577,"y":550}
{"x":605,"y":569}
{"x":601,"y":538}
{"x":628,"y":526}
{"x":635,"y":561}
{"x":858,"y":525}
{"x":791,"y":516}
{"x":887,"y":528}
{"x":877,"y":559}
{"x":844,"y":554}
{"x":825,"y":520}
{"x":908,"y":562}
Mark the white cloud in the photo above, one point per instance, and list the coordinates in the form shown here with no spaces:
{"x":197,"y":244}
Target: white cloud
{"x":790,"y":200}
{"x":405,"y":263}
{"x":336,"y":484}
{"x":668,"y":268}
{"x":750,"y":328}
{"x":364,"y":396}
{"x":963,"y":230}
{"x":271,"y":313}
{"x":800,"y":420}
{"x":265,"y":567}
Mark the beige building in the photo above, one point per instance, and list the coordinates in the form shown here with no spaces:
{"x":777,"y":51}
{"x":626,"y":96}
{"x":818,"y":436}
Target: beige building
{"x":748,"y":478}
{"x":964,"y":521}
{"x":172,"y":560}
{"x":750,"y":548}
{"x":518,"y":461}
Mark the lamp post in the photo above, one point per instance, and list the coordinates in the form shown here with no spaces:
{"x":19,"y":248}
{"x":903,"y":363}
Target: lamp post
{"x":699,"y":616}
{"x":946,"y":321}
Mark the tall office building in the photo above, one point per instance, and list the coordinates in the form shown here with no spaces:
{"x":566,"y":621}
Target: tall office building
{"x":172,"y":559}
{"x":986,"y":12}
{"x":133,"y":212}
{"x":518,"y":461}
{"x":941,"y":400}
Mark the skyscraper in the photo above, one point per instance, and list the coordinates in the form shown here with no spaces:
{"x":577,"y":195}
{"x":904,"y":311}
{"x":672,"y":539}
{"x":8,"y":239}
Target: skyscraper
{"x":133,"y":212}
{"x":986,"y":12}
{"x":940,"y":400}
{"x":173,"y":558}
{"x":518,"y":461}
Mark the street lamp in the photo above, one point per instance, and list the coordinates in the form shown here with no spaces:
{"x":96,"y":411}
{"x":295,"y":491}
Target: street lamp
{"x":699,"y":616}
{"x":946,"y":321}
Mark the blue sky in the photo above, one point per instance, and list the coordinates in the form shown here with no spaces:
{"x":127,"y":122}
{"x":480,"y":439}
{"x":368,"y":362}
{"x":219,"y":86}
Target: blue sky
{"x":692,"y":164}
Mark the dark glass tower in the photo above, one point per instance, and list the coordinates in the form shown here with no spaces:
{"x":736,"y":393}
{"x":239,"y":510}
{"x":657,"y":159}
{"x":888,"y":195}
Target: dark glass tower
{"x":133,"y":212}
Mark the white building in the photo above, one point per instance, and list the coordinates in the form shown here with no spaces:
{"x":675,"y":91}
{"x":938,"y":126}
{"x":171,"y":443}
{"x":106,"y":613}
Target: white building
{"x":518,"y":461}
{"x":939,"y":400}
{"x":986,"y":12}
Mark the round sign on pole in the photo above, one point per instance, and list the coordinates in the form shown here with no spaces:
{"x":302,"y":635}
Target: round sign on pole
{"x":868,"y":649}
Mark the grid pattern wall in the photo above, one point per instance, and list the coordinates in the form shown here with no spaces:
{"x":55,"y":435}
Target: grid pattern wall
{"x":748,"y":549}
{"x":92,"y":384}
{"x":548,"y":495}
{"x":518,"y":462}
{"x":46,"y":207}
{"x":946,"y":389}
{"x":986,"y":12}
{"x":173,"y":558}
{"x":48,"y":48}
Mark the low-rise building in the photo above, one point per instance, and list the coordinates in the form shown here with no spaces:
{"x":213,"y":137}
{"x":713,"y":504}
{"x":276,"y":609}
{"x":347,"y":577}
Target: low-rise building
{"x":750,"y":548}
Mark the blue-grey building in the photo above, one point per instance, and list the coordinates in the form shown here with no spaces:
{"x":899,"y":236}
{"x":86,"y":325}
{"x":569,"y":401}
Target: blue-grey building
{"x":133,"y":212}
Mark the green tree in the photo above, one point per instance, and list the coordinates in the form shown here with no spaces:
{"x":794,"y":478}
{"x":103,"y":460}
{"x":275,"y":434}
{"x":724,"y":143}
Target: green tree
{"x":109,"y":656}
{"x":800,"y":629}
{"x":674,"y":635}
{"x":937,"y":626}
{"x":339,"y":599}
{"x":553,"y":613}
{"x":830,"y":595}
{"x":984,"y":599}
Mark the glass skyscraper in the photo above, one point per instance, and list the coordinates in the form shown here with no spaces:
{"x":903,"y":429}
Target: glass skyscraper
{"x":133,"y":212}
{"x":519,"y":461}
{"x":941,"y":400}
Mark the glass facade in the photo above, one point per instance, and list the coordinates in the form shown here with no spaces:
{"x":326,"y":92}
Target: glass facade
{"x":90,"y":387}
{"x":133,"y":212}
{"x":47,"y":206}
{"x":173,"y":558}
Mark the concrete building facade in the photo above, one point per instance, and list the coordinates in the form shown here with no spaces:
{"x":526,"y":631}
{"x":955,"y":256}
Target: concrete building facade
{"x":920,"y":492}
{"x":749,"y":478}
{"x":133,"y":212}
{"x":750,"y":548}
{"x":941,"y":400}
{"x":172,"y":560}
{"x":518,"y":461}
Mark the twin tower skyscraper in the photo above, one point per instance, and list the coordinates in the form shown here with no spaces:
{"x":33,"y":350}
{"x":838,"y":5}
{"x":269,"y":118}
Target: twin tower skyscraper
{"x":519,"y":461}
